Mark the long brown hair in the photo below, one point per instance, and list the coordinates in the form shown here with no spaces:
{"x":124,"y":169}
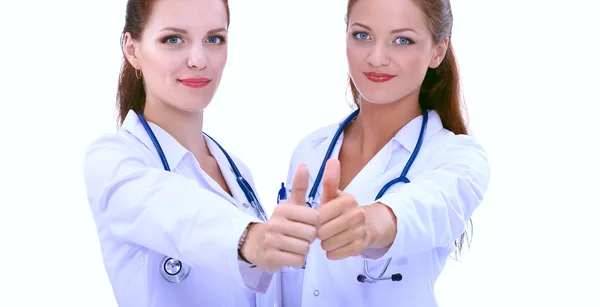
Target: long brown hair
{"x":440,"y":90}
{"x":131,"y":94}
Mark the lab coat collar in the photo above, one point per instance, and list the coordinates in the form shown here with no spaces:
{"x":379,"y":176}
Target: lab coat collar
{"x":318,"y":147}
{"x":406,"y":137}
{"x":173,"y":150}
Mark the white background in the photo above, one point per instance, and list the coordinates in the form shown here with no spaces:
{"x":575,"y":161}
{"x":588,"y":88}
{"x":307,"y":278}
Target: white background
{"x":530,"y":77}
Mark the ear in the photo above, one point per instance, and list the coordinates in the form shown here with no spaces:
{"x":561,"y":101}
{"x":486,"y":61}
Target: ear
{"x":438,"y":53}
{"x":130,"y":50}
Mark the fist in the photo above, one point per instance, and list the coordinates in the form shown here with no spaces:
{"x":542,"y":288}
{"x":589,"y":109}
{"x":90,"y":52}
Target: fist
{"x":290,"y":230}
{"x":343,"y":226}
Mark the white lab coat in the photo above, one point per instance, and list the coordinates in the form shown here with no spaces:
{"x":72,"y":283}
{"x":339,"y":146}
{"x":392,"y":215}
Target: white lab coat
{"x":448,"y":181}
{"x":143,"y":213}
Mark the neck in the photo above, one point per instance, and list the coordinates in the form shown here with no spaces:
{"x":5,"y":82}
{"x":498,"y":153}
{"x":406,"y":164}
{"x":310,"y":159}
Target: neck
{"x":185,"y":127}
{"x":377,"y":124}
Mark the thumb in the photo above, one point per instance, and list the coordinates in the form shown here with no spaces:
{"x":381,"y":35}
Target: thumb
{"x":299,"y":186}
{"x":331,"y":180}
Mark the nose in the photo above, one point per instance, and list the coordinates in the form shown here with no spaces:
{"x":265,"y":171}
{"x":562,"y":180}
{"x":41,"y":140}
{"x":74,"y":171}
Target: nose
{"x":378,"y":56}
{"x":197,"y":57}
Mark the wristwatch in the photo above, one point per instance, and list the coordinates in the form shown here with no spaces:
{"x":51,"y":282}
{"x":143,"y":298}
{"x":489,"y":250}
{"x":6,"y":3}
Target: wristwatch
{"x":241,"y":243}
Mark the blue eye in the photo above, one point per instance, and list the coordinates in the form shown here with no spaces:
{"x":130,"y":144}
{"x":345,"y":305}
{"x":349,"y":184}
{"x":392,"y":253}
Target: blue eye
{"x":214,"y":40}
{"x":361,"y":35}
{"x":173,"y":40}
{"x":403,"y":41}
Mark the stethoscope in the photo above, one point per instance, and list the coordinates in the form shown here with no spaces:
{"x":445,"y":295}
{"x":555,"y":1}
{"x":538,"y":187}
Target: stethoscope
{"x":367,"y":277}
{"x":172,"y":269}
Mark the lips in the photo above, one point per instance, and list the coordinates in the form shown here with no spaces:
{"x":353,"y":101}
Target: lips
{"x":378,"y":77}
{"x":195,"y":82}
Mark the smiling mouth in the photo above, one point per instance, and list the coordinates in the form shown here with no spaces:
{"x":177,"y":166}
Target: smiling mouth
{"x":378,"y":77}
{"x":195,"y":82}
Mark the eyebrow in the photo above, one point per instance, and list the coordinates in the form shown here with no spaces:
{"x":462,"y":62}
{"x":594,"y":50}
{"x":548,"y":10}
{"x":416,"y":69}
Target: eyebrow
{"x":393,"y":31}
{"x":185,"y":32}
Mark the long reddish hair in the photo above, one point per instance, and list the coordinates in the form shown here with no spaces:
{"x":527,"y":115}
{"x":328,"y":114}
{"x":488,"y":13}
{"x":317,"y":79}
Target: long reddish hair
{"x":131,"y":94}
{"x":440,"y":90}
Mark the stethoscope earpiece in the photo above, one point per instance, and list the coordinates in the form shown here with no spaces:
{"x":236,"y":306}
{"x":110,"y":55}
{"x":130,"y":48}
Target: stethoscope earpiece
{"x":362,"y":278}
{"x":396,"y":277}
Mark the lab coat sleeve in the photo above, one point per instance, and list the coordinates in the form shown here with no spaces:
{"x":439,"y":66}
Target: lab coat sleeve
{"x":163,"y":211}
{"x":254,"y":277}
{"x":433,"y":209}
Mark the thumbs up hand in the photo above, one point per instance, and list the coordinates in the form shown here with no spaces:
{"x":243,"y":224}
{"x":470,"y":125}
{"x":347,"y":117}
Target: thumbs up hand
{"x":286,"y":238}
{"x":343,"y":225}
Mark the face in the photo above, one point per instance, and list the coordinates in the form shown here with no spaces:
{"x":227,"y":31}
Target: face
{"x":389,"y":48}
{"x":182,"y":52}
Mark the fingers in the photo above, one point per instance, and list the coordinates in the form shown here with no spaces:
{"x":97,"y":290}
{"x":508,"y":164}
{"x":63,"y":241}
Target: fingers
{"x":331,"y":180}
{"x":355,"y":236}
{"x":290,"y":244}
{"x":343,"y":232}
{"x":299,"y":230}
{"x":336,"y":207}
{"x":299,"y":186}
{"x":282,"y":258}
{"x":289,"y":233}
{"x":333,"y":227}
{"x":353,"y":248}
{"x":277,"y":258}
{"x":293,"y":213}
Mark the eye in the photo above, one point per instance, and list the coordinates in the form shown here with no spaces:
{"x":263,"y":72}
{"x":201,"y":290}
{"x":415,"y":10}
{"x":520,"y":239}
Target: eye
{"x":215,"y":40}
{"x":360,"y":35}
{"x":403,"y":41}
{"x":172,"y":40}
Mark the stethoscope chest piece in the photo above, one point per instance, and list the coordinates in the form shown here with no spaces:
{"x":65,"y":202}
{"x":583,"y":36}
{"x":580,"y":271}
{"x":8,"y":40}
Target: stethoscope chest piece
{"x":174,"y":270}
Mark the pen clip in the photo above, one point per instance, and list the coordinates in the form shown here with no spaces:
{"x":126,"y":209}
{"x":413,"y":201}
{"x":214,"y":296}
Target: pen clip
{"x":282,"y":195}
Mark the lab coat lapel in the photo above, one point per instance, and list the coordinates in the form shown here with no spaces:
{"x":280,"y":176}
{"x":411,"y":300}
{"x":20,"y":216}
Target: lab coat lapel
{"x":226,"y":171}
{"x":383,"y":169}
{"x":239,"y":198}
{"x":405,"y":141}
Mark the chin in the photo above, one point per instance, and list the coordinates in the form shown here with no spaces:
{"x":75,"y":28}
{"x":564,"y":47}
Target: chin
{"x":192,"y":105}
{"x":196,"y":108}
{"x":379,"y":98}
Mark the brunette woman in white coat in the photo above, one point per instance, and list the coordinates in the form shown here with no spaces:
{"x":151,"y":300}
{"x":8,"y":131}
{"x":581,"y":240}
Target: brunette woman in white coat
{"x":178,"y":218}
{"x":402,"y":177}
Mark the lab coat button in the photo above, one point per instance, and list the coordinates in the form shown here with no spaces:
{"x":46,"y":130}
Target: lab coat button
{"x":245,"y":205}
{"x":316,"y":293}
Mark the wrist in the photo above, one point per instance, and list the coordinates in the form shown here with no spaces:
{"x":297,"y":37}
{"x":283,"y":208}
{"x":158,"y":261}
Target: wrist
{"x":248,"y":251}
{"x":381,"y":225}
